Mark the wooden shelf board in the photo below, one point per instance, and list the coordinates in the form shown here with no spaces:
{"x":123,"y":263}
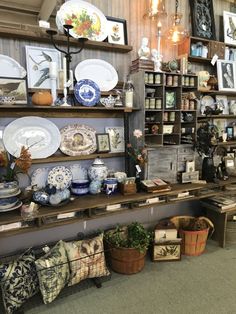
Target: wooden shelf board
{"x":34,"y":33}
{"x":219,"y":92}
{"x":199,"y":59}
{"x":220,"y":116}
{"x":63,"y":158}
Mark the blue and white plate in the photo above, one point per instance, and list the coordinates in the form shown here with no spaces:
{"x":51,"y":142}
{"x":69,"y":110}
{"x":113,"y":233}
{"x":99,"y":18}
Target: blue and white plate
{"x":87,"y":92}
{"x":8,"y":202}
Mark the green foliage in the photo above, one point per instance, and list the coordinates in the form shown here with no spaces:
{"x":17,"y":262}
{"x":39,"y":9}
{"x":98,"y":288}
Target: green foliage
{"x":133,"y":235}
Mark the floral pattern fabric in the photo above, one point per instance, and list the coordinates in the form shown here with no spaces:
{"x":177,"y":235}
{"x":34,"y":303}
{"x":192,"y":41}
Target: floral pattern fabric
{"x":86,"y":259}
{"x":19,"y":281}
{"x":53,"y":272}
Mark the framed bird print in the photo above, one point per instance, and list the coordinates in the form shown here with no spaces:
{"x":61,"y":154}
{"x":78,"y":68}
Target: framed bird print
{"x":37,"y":62}
{"x":13,"y":90}
{"x":229,"y":19}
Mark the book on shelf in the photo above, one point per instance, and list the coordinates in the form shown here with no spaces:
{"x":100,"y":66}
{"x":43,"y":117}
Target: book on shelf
{"x":220,"y":203}
{"x":155,"y":185}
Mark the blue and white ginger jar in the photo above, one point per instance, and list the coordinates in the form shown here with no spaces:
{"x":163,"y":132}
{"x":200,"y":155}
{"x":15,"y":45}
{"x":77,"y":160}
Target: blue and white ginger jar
{"x":98,"y":171}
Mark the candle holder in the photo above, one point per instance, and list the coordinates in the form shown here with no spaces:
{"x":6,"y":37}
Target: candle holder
{"x":68,"y":55}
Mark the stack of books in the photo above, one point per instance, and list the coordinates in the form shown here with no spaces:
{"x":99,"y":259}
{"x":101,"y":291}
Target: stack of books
{"x":155,"y":185}
{"x":139,"y":64}
{"x":220,"y":203}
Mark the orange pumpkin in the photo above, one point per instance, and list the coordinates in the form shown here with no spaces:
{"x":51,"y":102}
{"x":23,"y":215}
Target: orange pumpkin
{"x":42,"y":98}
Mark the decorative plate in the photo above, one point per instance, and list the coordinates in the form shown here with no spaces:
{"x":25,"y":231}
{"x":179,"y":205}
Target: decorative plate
{"x":78,"y":172}
{"x":39,"y":177}
{"x":17,"y":205}
{"x":87,"y":20}
{"x":60,"y":177}
{"x":87,"y":92}
{"x":9,"y":202}
{"x":10,"y":67}
{"x":10,"y":194}
{"x":78,"y":139}
{"x":40,"y":135}
{"x":99,"y":71}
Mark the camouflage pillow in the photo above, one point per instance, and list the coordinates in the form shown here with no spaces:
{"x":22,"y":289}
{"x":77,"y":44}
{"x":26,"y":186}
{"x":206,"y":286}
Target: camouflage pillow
{"x":86,"y":259}
{"x":53,"y":272}
{"x":18,"y":281}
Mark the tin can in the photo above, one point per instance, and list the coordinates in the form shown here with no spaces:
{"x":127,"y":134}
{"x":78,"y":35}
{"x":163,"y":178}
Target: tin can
{"x":150,"y":78}
{"x":158,"y":103}
{"x":147,"y":103}
{"x":158,"y":78}
{"x":175,"y":80}
{"x":152,"y":103}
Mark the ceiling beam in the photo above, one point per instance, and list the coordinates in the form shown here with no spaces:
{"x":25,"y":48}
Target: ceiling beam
{"x":46,"y":10}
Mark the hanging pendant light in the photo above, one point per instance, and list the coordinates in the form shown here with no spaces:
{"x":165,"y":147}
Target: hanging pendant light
{"x":177,"y":33}
{"x":155,"y":9}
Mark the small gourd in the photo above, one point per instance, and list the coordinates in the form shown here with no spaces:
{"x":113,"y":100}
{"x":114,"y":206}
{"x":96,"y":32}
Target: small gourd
{"x":42,"y":98}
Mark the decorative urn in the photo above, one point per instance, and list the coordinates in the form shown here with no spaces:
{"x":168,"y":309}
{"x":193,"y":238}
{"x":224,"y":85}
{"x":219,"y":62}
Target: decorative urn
{"x":97,"y":171}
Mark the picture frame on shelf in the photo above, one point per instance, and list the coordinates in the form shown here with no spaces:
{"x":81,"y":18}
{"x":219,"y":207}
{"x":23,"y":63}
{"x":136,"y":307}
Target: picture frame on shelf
{"x":232,"y":106}
{"x":226,"y":73}
{"x":167,"y":251}
{"x":13,"y":90}
{"x":230,"y":132}
{"x":202,"y":18}
{"x":37,"y":62}
{"x":117,"y":31}
{"x":170,"y":99}
{"x":229,"y":21}
{"x":103,"y":142}
{"x":222,"y":103}
{"x":117,"y":139}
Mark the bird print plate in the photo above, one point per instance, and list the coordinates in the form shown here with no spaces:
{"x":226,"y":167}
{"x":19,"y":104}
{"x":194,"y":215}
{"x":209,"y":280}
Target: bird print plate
{"x":10,"y":67}
{"x":40,"y":135}
{"x":37,"y":61}
{"x":87,"y":20}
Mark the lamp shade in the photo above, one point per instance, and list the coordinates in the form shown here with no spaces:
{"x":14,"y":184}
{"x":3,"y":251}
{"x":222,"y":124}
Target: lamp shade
{"x":177,"y":33}
{"x":155,"y":8}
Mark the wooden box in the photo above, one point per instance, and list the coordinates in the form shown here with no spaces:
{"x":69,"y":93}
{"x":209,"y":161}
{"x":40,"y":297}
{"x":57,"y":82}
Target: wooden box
{"x":217,"y":48}
{"x":167,"y":251}
{"x":127,"y":189}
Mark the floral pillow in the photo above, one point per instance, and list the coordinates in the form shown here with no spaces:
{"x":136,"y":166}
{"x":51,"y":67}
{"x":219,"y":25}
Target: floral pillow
{"x":86,"y":259}
{"x":53,"y":272}
{"x":18,"y":281}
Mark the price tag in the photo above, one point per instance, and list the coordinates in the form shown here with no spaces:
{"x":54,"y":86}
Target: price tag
{"x":214,"y":59}
{"x":138,"y":168}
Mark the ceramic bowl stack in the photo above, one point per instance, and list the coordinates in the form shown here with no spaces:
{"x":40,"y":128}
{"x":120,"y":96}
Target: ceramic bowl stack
{"x":8,"y":196}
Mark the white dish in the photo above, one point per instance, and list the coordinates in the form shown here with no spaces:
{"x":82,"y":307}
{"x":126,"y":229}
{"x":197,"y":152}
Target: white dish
{"x":78,"y":139}
{"x":99,"y":71}
{"x":39,"y":178}
{"x":78,"y":172}
{"x":11,"y":68}
{"x":17,"y":205}
{"x":207,"y":101}
{"x":40,"y":135}
{"x":88,"y":21}
{"x":10,"y":194}
{"x":60,"y":177}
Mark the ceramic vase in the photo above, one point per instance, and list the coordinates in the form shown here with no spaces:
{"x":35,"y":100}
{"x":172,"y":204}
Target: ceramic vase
{"x":98,"y":171}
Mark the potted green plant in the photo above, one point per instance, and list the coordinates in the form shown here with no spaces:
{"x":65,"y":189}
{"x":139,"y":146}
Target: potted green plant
{"x":127,"y":247}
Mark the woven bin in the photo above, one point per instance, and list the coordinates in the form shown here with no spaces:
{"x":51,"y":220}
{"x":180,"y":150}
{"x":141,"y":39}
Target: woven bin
{"x":126,"y":260}
{"x":193,"y":242}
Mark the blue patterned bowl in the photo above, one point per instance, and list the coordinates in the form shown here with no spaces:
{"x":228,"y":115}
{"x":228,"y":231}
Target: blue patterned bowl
{"x":80,"y":187}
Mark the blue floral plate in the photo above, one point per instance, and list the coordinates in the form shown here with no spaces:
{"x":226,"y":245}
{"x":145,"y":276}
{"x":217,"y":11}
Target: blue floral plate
{"x":87,"y":92}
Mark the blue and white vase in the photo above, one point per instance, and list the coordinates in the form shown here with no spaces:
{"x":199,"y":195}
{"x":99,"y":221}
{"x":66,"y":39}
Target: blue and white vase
{"x":95,"y":187}
{"x":98,"y":171}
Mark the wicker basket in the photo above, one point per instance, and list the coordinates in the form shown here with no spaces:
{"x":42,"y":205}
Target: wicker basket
{"x":126,"y":260}
{"x":193,"y":242}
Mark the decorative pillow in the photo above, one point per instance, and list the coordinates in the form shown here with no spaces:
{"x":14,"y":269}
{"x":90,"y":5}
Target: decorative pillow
{"x":53,"y":272}
{"x":86,"y":259}
{"x":19,"y":281}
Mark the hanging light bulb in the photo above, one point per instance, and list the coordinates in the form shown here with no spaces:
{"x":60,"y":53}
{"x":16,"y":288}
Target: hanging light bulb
{"x":155,"y":9}
{"x":177,"y":33}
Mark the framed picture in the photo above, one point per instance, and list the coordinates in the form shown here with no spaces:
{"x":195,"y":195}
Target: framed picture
{"x":117,"y":31}
{"x":168,"y":251}
{"x":229,"y":19}
{"x":117,"y":139}
{"x":226,"y":73}
{"x":15,"y":89}
{"x":202,"y":17}
{"x":103,"y":142}
{"x":37,"y":61}
{"x":230,"y":132}
{"x":222,"y":103}
{"x":170,"y":102}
